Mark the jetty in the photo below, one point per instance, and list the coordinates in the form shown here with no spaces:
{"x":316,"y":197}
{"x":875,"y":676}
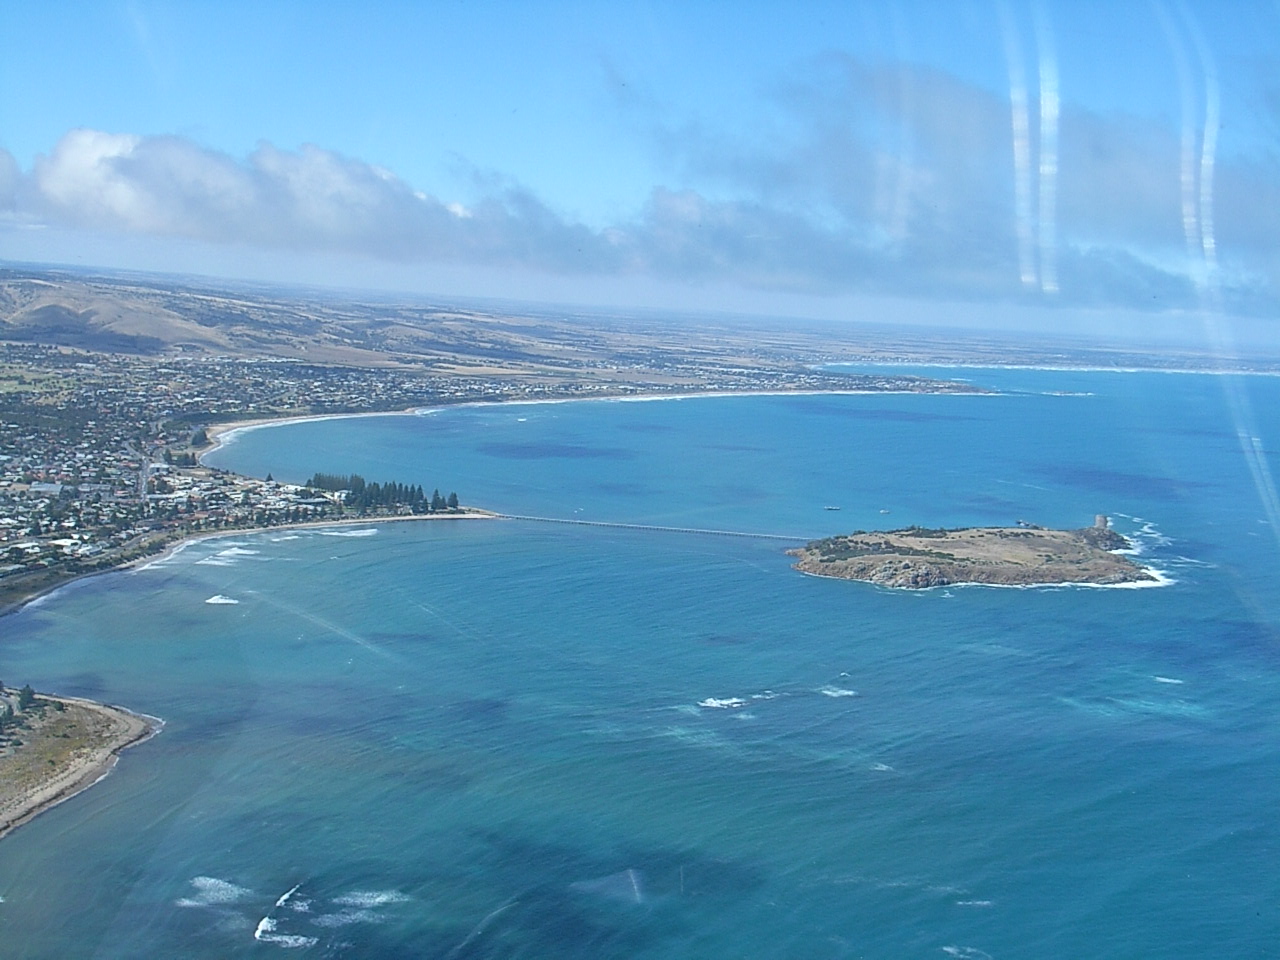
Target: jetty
{"x":703,"y":531}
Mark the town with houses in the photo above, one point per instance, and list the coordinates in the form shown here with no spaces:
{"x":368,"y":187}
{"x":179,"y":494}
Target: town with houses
{"x":99,"y":452}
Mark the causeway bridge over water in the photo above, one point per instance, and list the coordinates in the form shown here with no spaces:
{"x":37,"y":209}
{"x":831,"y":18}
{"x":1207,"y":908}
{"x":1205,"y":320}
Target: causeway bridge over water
{"x":656,"y":527}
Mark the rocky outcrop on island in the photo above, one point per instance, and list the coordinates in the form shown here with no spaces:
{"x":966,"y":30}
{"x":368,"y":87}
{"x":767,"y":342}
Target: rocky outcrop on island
{"x":918,"y":558}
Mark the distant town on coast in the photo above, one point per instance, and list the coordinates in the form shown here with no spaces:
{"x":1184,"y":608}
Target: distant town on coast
{"x":111,"y":388}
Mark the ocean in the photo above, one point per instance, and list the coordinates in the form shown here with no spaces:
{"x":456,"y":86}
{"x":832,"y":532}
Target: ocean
{"x":514,"y":739}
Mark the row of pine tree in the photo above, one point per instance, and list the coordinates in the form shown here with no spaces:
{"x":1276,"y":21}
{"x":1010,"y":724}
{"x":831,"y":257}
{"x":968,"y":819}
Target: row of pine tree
{"x":363,"y":496}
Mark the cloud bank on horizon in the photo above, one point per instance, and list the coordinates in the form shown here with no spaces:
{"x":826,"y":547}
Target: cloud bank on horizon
{"x":861,"y":177}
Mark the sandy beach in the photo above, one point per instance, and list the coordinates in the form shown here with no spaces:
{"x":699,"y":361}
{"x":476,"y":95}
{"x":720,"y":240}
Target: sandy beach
{"x":220,"y":434}
{"x":65,"y":752}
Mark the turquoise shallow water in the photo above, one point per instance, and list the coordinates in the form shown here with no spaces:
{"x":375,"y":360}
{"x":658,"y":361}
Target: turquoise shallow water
{"x":484,"y":739}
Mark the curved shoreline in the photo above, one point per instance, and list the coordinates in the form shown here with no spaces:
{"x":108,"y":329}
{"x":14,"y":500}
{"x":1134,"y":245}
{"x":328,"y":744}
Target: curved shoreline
{"x":141,"y":563}
{"x":221,"y":435}
{"x":134,"y":728}
{"x":85,"y":770}
{"x":181,"y":543}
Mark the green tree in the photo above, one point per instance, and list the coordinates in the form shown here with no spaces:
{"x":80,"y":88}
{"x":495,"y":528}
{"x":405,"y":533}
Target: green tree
{"x":26,"y":697}
{"x":453,"y":501}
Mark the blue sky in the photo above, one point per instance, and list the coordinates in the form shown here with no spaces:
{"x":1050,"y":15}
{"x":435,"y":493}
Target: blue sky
{"x":837,"y":160}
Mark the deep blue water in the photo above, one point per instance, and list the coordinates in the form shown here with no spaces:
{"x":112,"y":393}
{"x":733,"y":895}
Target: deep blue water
{"x":482,"y":738}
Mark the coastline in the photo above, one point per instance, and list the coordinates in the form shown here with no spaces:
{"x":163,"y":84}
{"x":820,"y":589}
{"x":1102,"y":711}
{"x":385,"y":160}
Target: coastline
{"x":222,"y":434}
{"x":83,"y":771}
{"x":1158,"y":579}
{"x":181,"y":543}
{"x":86,"y":768}
{"x":1056,"y":368}
{"x":89,"y":768}
{"x":140,"y":563}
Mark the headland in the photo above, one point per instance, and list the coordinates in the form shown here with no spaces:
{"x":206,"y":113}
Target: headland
{"x":52,"y":748}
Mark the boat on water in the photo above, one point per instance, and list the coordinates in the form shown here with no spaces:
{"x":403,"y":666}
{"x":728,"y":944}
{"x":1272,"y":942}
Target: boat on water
{"x":830,"y":508}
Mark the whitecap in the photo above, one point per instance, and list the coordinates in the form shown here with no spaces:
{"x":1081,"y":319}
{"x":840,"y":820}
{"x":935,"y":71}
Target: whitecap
{"x":220,"y":599}
{"x":975,"y":903}
{"x":164,"y":558}
{"x":1149,"y":530}
{"x":830,"y":691}
{"x":728,"y":703}
{"x":215,"y":562}
{"x":265,"y":932}
{"x":967,"y":953}
{"x":881,"y":767}
{"x":211,"y":891}
{"x":287,"y":894}
{"x":370,"y":898}
{"x":1159,"y":679}
{"x":291,"y":536}
{"x":238,"y":552}
{"x":361,"y":532}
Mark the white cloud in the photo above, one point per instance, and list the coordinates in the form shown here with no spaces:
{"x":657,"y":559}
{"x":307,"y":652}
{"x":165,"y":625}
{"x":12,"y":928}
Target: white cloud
{"x":890,"y":180}
{"x":10,"y":178}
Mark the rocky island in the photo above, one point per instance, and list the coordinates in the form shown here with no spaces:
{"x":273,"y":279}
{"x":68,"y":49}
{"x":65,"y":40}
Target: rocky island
{"x":1026,"y":555}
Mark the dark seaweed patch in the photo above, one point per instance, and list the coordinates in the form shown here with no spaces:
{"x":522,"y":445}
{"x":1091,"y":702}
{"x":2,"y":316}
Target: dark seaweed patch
{"x":553,"y":451}
{"x":1119,"y":483}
